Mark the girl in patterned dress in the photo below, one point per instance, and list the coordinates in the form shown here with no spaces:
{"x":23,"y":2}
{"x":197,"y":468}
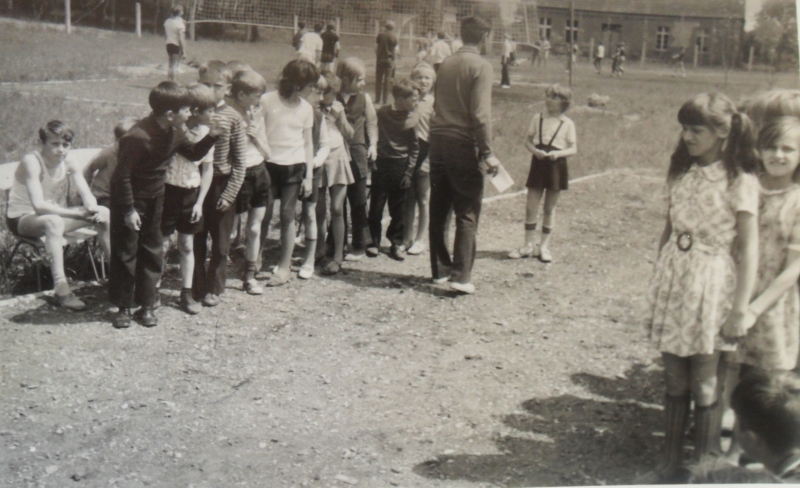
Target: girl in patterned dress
{"x":698,"y":289}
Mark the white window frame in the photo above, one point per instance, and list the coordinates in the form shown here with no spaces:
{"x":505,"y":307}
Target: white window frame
{"x":545,"y":26}
{"x":662,"y":38}
{"x":702,"y":39}
{"x":571,"y":33}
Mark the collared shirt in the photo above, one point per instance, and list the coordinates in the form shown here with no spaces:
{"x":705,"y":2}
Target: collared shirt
{"x":463,"y":99}
{"x":174,"y":27}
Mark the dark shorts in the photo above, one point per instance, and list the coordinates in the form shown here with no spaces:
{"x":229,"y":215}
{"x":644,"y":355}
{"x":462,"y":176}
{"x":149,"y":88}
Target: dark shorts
{"x":314,"y":197}
{"x":255,"y":189}
{"x":326,"y":58}
{"x":173,"y":49}
{"x":548,"y":175}
{"x":13,"y":225}
{"x":282,"y":175}
{"x":177,"y":214}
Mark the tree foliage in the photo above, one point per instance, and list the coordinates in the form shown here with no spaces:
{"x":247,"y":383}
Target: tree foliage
{"x":776,"y":31}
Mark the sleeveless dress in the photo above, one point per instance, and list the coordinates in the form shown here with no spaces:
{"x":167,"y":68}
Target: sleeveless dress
{"x":55,"y":189}
{"x":772,"y":343}
{"x":691,"y":292}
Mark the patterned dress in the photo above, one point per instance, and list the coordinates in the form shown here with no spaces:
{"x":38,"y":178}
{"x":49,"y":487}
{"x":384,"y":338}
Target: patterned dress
{"x":691,"y":292}
{"x":772,"y":343}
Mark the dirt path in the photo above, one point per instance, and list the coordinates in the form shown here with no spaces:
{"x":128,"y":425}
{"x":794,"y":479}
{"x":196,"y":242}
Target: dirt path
{"x":374,"y":378}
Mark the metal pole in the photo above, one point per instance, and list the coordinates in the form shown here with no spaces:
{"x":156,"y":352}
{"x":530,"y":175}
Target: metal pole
{"x":797,"y":10}
{"x":338,"y":26}
{"x":192,"y":24}
{"x":68,"y":16}
{"x":571,"y":37}
{"x":138,"y":19}
{"x":750,"y":59}
{"x":527,"y":26}
{"x":294,"y":24}
{"x":411,"y":36}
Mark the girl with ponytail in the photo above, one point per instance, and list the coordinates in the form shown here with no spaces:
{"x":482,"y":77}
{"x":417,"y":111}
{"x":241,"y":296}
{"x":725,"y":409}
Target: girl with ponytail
{"x":706,"y":268}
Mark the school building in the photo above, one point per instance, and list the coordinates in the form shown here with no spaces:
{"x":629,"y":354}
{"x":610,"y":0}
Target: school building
{"x":657,"y":29}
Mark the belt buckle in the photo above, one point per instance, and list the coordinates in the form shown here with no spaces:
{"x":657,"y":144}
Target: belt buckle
{"x":685,"y":241}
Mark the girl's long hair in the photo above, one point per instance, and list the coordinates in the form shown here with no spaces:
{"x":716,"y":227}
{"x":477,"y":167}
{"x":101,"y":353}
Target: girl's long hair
{"x":296,"y":75}
{"x":717,"y":112}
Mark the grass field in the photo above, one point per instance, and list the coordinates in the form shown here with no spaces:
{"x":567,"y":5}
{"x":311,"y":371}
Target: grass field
{"x":92,"y":78}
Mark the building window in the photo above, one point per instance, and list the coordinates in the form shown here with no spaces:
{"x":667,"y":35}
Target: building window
{"x":662,"y":38}
{"x":702,"y":40}
{"x":571,"y":33}
{"x":545,"y":24}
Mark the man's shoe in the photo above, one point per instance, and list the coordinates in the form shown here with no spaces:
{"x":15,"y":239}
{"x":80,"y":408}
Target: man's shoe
{"x":465,"y":288}
{"x":211,"y":300}
{"x":71,"y":302}
{"x":252,"y":287}
{"x":398,"y":253}
{"x":123,"y":319}
{"x":373,"y":251}
{"x":146,"y":317}
{"x":189,"y":305}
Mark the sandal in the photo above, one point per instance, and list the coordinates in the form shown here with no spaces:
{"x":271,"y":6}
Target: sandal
{"x":523,"y":252}
{"x":332,"y":268}
{"x":306,"y":271}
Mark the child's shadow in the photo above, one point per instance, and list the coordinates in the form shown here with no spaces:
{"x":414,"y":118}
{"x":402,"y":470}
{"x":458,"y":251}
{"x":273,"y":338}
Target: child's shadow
{"x":50,"y":313}
{"x":640,"y":383}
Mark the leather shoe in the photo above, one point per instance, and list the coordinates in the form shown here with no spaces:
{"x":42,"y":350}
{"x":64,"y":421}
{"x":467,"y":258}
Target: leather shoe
{"x":397,"y":253}
{"x":189,"y":305}
{"x":146,"y":317}
{"x":123,"y":319}
{"x":211,"y":300}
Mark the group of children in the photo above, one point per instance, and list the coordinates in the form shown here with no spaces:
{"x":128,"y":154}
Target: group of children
{"x":724,"y":294}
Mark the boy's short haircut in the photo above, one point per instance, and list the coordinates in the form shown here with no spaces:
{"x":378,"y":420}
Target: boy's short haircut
{"x":216,"y":68}
{"x":389,"y":25}
{"x":440,"y":35}
{"x":201,"y":97}
{"x":235,"y":66}
{"x":58,"y":129}
{"x":768,"y":404}
{"x":564,"y":93}
{"x":331,"y":27}
{"x":332,"y":83}
{"x":124,"y":125}
{"x":318,"y":27}
{"x":473,"y":28}
{"x":177,"y":10}
{"x":168,"y":96}
{"x":301,"y":25}
{"x":421,"y":68}
{"x":247,"y":82}
{"x":404,"y":89}
{"x":350,"y":69}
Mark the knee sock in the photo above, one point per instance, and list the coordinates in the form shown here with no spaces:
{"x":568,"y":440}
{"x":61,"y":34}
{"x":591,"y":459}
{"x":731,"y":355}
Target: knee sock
{"x":676,"y":409}
{"x":250,"y":270}
{"x":545,"y":236}
{"x":707,"y":425}
{"x":530,"y":233}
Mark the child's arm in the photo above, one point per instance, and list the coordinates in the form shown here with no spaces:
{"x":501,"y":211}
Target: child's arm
{"x":746,"y":269}
{"x":96,"y":164}
{"x":206,"y":175}
{"x":309,"y":148}
{"x":28,"y":173}
{"x":665,"y":234}
{"x":324,"y":144}
{"x":530,"y":141}
{"x":238,"y":165}
{"x":372,"y":129}
{"x":89,"y":201}
{"x":131,"y":152}
{"x":256,"y":134}
{"x":341,"y":122}
{"x":572,"y":145}
{"x":777,"y":288}
{"x":413,"y":154}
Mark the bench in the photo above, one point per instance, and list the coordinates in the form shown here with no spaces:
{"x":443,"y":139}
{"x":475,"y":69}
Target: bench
{"x":85,"y":235}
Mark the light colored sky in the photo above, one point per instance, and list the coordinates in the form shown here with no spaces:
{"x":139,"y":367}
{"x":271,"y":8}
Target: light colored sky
{"x":752,"y":7}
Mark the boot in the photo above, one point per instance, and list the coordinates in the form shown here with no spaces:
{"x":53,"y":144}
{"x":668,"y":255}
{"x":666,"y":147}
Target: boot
{"x":707,"y":427}
{"x":677,"y":413}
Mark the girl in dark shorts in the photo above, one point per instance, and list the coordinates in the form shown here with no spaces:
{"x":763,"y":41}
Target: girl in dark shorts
{"x":551,"y":139}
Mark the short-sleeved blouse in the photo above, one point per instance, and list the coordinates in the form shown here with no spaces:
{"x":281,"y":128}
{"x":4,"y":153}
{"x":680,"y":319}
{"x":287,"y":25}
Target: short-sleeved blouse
{"x":691,"y":292}
{"x":772,"y":343}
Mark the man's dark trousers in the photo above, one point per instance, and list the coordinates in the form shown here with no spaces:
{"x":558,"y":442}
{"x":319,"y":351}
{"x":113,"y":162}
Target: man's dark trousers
{"x":457,"y":184}
{"x":384,"y":70}
{"x":137,"y":257}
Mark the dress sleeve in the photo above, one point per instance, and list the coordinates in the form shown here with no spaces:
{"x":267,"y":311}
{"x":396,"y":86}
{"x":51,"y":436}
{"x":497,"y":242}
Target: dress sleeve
{"x":744,"y":194}
{"x":533,"y":128}
{"x":571,"y":136}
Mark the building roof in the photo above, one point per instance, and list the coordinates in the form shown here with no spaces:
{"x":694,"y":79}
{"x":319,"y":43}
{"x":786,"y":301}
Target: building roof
{"x":721,"y":9}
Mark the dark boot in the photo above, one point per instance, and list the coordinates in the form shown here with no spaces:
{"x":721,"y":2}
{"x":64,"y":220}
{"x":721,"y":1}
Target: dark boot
{"x":676,"y":409}
{"x":707,"y":426}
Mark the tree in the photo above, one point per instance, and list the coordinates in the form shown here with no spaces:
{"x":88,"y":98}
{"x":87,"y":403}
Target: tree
{"x":776,"y":31}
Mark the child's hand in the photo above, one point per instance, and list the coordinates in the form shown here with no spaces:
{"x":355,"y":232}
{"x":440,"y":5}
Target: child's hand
{"x":252,"y":131}
{"x":539,"y":153}
{"x":734,"y":327}
{"x":552,"y":156}
{"x":197,"y":213}
{"x":306,"y":189}
{"x":223,"y":205}
{"x":372,"y":166}
{"x":98,"y":217}
{"x":133,"y":221}
{"x":215,"y":130}
{"x":405,"y":183}
{"x":492,"y":165}
{"x":372,"y":153}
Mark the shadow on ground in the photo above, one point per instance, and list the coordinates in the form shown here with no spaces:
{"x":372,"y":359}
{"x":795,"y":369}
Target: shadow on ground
{"x":604,"y":442}
{"x":49,"y":313}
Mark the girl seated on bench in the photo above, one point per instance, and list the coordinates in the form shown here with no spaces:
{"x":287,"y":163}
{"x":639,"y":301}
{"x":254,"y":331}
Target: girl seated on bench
{"x":37,"y":203}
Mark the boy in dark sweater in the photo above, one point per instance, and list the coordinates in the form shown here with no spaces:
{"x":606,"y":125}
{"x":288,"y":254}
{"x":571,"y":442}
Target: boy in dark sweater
{"x":137,"y":201}
{"x":397,"y":155}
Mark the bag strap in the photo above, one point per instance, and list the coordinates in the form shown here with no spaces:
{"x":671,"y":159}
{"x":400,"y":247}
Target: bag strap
{"x":541,"y":121}
{"x":554,"y":134}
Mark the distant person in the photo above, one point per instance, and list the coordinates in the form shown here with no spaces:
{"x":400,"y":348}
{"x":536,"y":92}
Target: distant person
{"x":175,"y":29}
{"x":456,"y":44}
{"x":311,"y":45}
{"x":544,"y":52}
{"x":460,"y":153}
{"x":98,"y":171}
{"x":552,"y":139}
{"x":678,"y":61}
{"x":330,"y":48}
{"x":505,"y":62}
{"x":535,"y":49}
{"x":37,"y":204}
{"x":423,"y":45}
{"x":618,"y":61}
{"x":386,"y":49}
{"x":297,"y":38}
{"x":440,"y":50}
{"x":599,"y":54}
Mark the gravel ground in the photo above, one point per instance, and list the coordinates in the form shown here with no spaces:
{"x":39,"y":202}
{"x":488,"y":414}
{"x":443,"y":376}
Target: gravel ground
{"x":374,"y":377}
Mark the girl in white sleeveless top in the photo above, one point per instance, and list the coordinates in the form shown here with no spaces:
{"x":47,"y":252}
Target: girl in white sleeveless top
{"x":37,"y":203}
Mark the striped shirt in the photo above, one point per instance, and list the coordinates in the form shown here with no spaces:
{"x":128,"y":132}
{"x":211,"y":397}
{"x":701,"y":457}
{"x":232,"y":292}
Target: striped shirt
{"x":229,"y":152}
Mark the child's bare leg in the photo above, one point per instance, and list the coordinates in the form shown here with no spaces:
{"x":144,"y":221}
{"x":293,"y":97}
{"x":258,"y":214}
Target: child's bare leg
{"x":423,"y":193}
{"x":289,"y":195}
{"x":186,"y":251}
{"x":338,"y":193}
{"x":322,"y":223}
{"x":531,"y":213}
{"x":548,"y":220}
{"x":310,"y":223}
{"x":409,"y":215}
{"x":255,"y":217}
